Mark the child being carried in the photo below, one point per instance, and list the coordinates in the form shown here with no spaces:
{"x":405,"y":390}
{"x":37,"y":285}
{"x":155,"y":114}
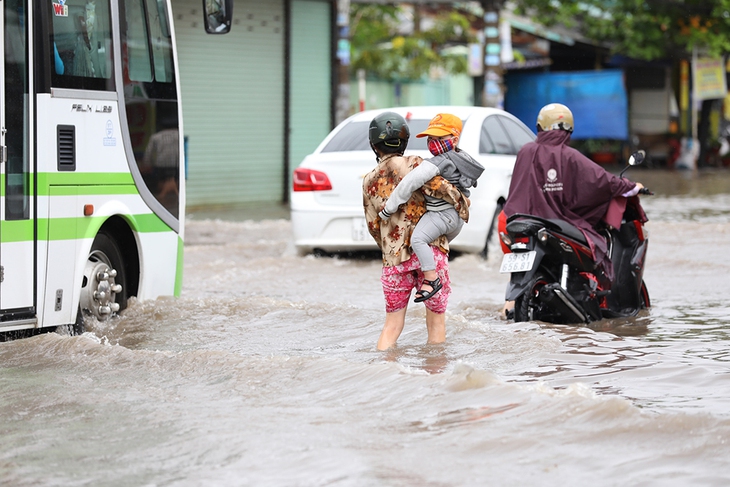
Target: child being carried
{"x":441,"y":218}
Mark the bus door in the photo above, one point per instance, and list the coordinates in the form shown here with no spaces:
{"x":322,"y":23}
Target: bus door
{"x":17,"y":224}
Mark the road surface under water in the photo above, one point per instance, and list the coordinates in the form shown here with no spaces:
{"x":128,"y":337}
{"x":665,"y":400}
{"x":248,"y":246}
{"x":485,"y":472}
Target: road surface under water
{"x":265,"y":372}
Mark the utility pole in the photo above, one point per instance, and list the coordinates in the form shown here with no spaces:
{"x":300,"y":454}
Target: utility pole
{"x":342,"y":100}
{"x":492,"y":94}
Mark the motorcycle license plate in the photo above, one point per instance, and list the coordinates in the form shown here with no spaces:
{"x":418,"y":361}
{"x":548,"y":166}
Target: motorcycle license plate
{"x":517,"y":262}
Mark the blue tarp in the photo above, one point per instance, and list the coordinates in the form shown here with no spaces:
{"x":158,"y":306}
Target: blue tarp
{"x":597,"y":99}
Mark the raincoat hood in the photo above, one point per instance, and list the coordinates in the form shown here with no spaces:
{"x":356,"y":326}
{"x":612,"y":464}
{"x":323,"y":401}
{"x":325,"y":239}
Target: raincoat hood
{"x":459,"y":168}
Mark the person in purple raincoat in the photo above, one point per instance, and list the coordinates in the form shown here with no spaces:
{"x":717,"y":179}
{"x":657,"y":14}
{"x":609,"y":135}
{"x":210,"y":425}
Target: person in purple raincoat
{"x":553,"y":180}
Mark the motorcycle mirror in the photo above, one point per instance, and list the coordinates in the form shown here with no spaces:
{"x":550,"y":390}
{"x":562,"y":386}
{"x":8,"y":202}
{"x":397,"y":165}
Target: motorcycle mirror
{"x":637,"y":158}
{"x":634,"y":160}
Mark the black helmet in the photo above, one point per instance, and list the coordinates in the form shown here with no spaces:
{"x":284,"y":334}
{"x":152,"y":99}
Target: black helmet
{"x":389,"y":132}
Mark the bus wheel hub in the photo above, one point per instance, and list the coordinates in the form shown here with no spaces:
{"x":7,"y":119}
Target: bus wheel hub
{"x":99,"y":290}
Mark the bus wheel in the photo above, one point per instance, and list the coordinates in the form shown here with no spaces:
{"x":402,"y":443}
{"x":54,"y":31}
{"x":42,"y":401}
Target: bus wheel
{"x":79,"y":326}
{"x":103,"y":289}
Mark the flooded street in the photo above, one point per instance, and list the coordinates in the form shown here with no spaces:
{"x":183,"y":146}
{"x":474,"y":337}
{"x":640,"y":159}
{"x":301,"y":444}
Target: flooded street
{"x":265,"y":372}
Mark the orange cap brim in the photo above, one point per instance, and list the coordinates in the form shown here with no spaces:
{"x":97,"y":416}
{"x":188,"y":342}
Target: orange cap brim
{"x":435,"y":132}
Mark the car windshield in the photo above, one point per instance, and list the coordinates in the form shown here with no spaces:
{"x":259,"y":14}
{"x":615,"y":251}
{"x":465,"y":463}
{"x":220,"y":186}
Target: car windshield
{"x":354,"y":136}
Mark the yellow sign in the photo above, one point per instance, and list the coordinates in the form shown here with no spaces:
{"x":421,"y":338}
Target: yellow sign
{"x":683,"y":85}
{"x":709,"y":79}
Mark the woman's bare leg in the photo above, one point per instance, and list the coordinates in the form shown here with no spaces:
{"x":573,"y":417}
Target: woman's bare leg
{"x":393,"y":327}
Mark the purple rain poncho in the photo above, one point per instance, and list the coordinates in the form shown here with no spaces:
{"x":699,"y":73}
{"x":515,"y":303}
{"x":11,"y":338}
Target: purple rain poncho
{"x":553,"y":180}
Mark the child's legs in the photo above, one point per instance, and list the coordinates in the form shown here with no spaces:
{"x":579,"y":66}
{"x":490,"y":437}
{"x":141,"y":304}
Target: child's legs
{"x":430,"y":227}
{"x":453,"y":223}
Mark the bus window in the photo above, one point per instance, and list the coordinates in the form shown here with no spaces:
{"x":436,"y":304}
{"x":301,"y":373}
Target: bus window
{"x":145,"y":57}
{"x":81,"y":41}
{"x":138,"y":54}
{"x":151,"y":99}
{"x":17,"y":176}
{"x":160,"y":162}
{"x":161,"y":41}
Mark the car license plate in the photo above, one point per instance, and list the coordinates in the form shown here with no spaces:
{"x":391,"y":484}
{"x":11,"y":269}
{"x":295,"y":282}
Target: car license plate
{"x":360,"y":230}
{"x":518,"y":262}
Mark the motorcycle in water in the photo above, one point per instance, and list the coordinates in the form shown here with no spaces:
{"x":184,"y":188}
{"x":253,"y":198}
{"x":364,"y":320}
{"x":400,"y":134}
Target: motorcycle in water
{"x":553,"y":272}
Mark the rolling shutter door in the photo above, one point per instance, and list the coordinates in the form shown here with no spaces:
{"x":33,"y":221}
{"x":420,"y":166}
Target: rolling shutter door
{"x":311,"y":77}
{"x":233,"y":103}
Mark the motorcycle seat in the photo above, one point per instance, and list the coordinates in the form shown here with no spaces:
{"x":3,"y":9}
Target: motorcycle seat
{"x":553,"y":224}
{"x":570,"y":231}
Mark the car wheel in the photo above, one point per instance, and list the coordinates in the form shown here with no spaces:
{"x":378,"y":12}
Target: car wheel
{"x":492,"y":230}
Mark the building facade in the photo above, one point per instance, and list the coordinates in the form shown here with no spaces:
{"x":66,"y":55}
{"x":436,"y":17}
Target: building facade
{"x":255,"y":100}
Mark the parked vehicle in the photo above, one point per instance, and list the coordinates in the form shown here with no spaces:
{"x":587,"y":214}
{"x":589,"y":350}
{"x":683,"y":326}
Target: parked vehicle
{"x":552,"y":267}
{"x":326,"y":197}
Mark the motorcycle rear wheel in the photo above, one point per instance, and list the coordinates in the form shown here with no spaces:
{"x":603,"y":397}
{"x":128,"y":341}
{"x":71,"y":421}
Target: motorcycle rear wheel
{"x":645,"y":300}
{"x":527,"y":305}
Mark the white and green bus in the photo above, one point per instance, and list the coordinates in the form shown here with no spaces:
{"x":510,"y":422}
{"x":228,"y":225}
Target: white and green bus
{"x":92,"y":187}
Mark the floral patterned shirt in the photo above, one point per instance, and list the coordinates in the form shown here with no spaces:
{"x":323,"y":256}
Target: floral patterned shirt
{"x":393,"y":236}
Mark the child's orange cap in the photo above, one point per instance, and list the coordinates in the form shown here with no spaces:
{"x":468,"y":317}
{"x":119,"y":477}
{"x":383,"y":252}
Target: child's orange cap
{"x":441,"y":125}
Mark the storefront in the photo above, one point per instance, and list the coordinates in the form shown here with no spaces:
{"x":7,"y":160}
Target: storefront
{"x":256,"y":100}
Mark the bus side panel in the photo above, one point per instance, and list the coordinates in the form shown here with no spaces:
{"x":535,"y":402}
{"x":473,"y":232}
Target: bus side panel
{"x":61,"y":296}
{"x":97,"y":143}
{"x":158,"y":265}
{"x":70,"y":233}
{"x":100,"y":178}
{"x":95,"y":150}
{"x":17,"y":279}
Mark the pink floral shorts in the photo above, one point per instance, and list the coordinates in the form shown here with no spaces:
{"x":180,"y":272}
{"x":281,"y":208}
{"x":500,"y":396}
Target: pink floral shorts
{"x":398,"y":282}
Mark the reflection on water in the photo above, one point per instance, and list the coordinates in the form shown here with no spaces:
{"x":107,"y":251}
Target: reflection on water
{"x":431,"y":358}
{"x":631,"y":326}
{"x":462,"y":417}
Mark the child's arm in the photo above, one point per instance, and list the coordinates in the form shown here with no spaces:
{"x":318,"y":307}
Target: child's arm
{"x":410,"y":183}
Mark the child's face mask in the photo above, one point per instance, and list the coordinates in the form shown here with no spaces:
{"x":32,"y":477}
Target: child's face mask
{"x":439,"y":146}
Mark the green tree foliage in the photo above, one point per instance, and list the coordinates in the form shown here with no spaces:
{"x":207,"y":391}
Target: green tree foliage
{"x":642,"y":29}
{"x":379,"y":47}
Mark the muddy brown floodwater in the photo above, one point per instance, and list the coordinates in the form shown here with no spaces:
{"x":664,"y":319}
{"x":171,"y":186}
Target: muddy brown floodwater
{"x":265,"y":372}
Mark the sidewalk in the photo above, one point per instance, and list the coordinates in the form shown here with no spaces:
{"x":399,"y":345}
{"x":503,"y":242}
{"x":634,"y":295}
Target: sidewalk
{"x":252,"y":211}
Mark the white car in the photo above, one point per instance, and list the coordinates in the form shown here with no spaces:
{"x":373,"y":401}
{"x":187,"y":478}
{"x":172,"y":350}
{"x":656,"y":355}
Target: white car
{"x":326,"y":199}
